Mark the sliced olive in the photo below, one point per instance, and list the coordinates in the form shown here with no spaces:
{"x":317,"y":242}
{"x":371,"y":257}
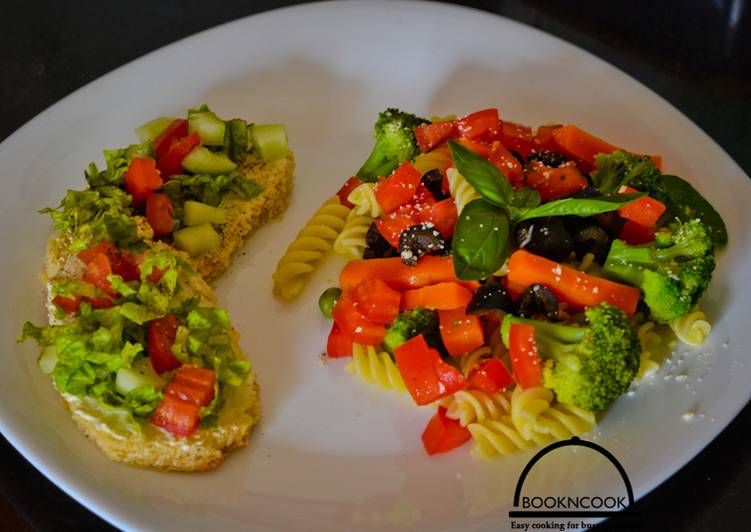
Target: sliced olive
{"x":592,"y":239}
{"x":548,"y":158}
{"x":547,"y":237}
{"x":433,"y":181}
{"x":538,"y":300}
{"x":518,"y":157}
{"x":490,"y":297}
{"x":418,"y":240}
{"x":377,"y":246}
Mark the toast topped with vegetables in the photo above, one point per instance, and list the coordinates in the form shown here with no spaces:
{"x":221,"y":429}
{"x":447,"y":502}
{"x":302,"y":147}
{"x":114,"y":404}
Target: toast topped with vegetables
{"x":148,"y":365}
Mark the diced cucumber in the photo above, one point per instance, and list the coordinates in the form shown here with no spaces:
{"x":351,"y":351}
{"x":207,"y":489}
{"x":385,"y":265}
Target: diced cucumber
{"x":208,"y":126}
{"x":238,"y":129}
{"x":204,"y":161}
{"x":195,"y":213}
{"x":141,"y":374}
{"x":269,"y":141}
{"x":48,"y":360}
{"x":197,"y":239}
{"x":150,"y":130}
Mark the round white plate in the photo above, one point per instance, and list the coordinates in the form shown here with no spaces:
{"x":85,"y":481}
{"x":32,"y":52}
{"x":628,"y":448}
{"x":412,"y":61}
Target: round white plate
{"x":331,"y":452}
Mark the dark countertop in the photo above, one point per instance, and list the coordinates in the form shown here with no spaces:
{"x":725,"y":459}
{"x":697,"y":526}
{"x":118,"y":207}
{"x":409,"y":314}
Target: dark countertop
{"x":694,"y":54}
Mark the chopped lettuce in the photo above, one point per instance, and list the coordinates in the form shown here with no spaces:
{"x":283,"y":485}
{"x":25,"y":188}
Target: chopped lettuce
{"x":142,"y":401}
{"x":157,"y":296}
{"x":116,"y":162}
{"x":210,"y":189}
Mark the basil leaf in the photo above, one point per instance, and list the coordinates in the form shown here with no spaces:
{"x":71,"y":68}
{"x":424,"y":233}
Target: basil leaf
{"x":685,"y":202}
{"x":525,"y":198}
{"x":481,"y":240}
{"x":486,"y":179}
{"x":578,"y":206}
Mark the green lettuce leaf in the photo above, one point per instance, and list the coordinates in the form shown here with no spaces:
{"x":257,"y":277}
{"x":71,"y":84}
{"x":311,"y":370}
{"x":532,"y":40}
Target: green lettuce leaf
{"x":210,"y":189}
{"x":116,"y":163}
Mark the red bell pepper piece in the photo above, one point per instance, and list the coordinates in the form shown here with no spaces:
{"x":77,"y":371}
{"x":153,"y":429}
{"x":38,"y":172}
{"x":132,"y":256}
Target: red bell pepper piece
{"x":442,"y":215}
{"x":351,"y":184}
{"x":68,"y":304}
{"x":176,"y":130}
{"x":482,"y":149}
{"x":491,"y":377}
{"x":478,"y":123}
{"x":506,"y":162}
{"x":525,"y":362}
{"x":339,"y":343}
{"x":141,"y":178}
{"x":429,"y":136}
{"x":160,"y":337}
{"x":398,"y":188}
{"x":517,"y":137}
{"x":392,"y":225}
{"x":443,"y":434}
{"x":352,"y":322}
{"x":644,"y":211}
{"x":461,"y":332}
{"x":636,"y":234}
{"x":554,"y":183}
{"x":377,"y":301}
{"x":544,"y":140}
{"x":426,"y":376}
{"x":159,"y":214}
{"x":96,"y":273}
{"x":171,"y":163}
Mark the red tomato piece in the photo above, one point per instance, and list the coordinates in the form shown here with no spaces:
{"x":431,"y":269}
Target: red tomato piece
{"x":429,"y":136}
{"x":506,"y":163}
{"x":192,"y":384}
{"x":478,"y":123}
{"x":159,"y":214}
{"x":351,"y":184}
{"x":480,"y":148}
{"x":98,"y":302}
{"x":461,"y":332}
{"x":398,"y":188}
{"x":339,"y":343}
{"x":96,"y":273}
{"x":171,"y":163}
{"x":88,"y":254}
{"x":176,"y":130}
{"x":377,"y":301}
{"x":544,"y":141}
{"x":176,"y":416}
{"x":517,"y":137}
{"x":442,"y":215}
{"x":142,"y":178}
{"x":68,"y":304}
{"x":525,"y":362}
{"x":160,"y":337}
{"x":491,"y":377}
{"x":443,"y":434}
{"x":554,"y":183}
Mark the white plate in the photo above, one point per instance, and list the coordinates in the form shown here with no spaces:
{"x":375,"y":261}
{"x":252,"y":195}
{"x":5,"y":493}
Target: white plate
{"x":332,"y":452}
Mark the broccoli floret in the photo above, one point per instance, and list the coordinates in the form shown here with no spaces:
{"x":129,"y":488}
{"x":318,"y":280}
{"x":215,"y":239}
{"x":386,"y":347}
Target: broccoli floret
{"x":409,"y":324}
{"x":673,"y":271}
{"x":587,"y":366}
{"x":622,"y":168}
{"x":395,"y":143}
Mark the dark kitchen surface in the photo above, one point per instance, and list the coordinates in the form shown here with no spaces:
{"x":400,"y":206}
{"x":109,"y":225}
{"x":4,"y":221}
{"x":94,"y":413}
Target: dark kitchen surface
{"x":696,"y":54}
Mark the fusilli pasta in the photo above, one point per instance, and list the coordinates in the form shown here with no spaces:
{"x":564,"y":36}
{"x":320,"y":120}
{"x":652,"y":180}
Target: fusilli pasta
{"x":461,"y":190}
{"x":438,"y":159}
{"x":375,"y":367}
{"x":311,"y":243}
{"x":500,"y":437}
{"x":691,"y":329}
{"x":469,"y":362}
{"x":533,"y":411}
{"x":364,"y":200}
{"x":352,"y":241}
{"x":649,"y":339}
{"x":475,"y":406}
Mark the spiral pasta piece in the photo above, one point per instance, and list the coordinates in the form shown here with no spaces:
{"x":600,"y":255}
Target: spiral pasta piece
{"x":500,"y":437}
{"x":352,"y":241}
{"x":469,"y":362}
{"x":438,"y":159}
{"x":691,"y":329}
{"x":461,"y":190}
{"x":526,"y":407}
{"x":533,"y":411}
{"x":377,"y":368}
{"x":364,"y":200}
{"x":475,"y":406}
{"x":649,"y":340}
{"x":308,"y":247}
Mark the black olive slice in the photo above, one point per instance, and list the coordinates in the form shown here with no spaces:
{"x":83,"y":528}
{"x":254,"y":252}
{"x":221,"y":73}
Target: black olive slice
{"x":418,"y":240}
{"x":538,"y":300}
{"x":490,"y":297}
{"x":547,"y":237}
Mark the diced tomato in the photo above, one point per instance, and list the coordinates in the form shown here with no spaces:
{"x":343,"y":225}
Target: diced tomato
{"x":161,"y":335}
{"x":88,"y":254}
{"x":480,"y":148}
{"x":351,"y":184}
{"x":96,"y":273}
{"x":176,"y":130}
{"x":442,"y":215}
{"x":68,"y":304}
{"x":443,"y":434}
{"x":178,"y":417}
{"x":478,"y":123}
{"x":636,"y":234}
{"x":543,"y":139}
{"x":491,"y":377}
{"x":339,"y":343}
{"x":525,"y":361}
{"x":554,"y":183}
{"x":347,"y":315}
{"x":517,"y":137}
{"x":398,"y":188}
{"x":442,"y":296}
{"x":644,"y":211}
{"x":506,"y":163}
{"x":431,"y":135}
{"x":122,"y":263}
{"x":461,"y":332}
{"x":392,"y":225}
{"x":159,"y":214}
{"x":377,"y":301}
{"x":155,"y":276}
{"x":171,"y":163}
{"x":98,"y":302}
{"x":192,"y":384}
{"x":142,"y":178}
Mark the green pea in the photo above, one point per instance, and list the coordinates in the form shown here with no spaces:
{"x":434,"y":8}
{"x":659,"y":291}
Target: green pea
{"x":328,"y":299}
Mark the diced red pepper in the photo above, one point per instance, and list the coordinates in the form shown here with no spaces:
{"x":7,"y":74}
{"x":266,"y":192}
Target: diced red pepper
{"x":517,"y":137}
{"x":554,"y":183}
{"x":159,"y":214}
{"x":480,"y":148}
{"x":392,"y":225}
{"x":525,"y":361}
{"x":377,"y":301}
{"x":178,"y":417}
{"x":644,"y":211}
{"x":478,"y":123}
{"x":339,"y":343}
{"x":461,"y":332}
{"x":506,"y":163}
{"x":398,"y":188}
{"x":422,"y":199}
{"x":450,"y":379}
{"x":351,"y":184}
{"x":161,"y":335}
{"x":68,"y":304}
{"x":96,"y":273}
{"x":141,"y":178}
{"x":169,"y":135}
{"x":426,"y":376}
{"x":171,"y":163}
{"x":443,"y":434}
{"x":351,"y":321}
{"x":431,"y":135}
{"x":490,"y":376}
{"x":442,"y":215}
{"x":544,"y":140}
{"x":636,"y":234}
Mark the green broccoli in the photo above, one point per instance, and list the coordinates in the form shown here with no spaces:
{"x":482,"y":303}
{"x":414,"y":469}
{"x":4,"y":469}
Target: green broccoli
{"x":587,"y":366}
{"x":673,"y":271}
{"x":623,"y":168}
{"x":395,"y":143}
{"x":409,"y":324}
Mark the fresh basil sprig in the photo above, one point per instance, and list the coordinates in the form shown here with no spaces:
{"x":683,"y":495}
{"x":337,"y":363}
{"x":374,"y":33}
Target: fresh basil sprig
{"x":483,"y":230}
